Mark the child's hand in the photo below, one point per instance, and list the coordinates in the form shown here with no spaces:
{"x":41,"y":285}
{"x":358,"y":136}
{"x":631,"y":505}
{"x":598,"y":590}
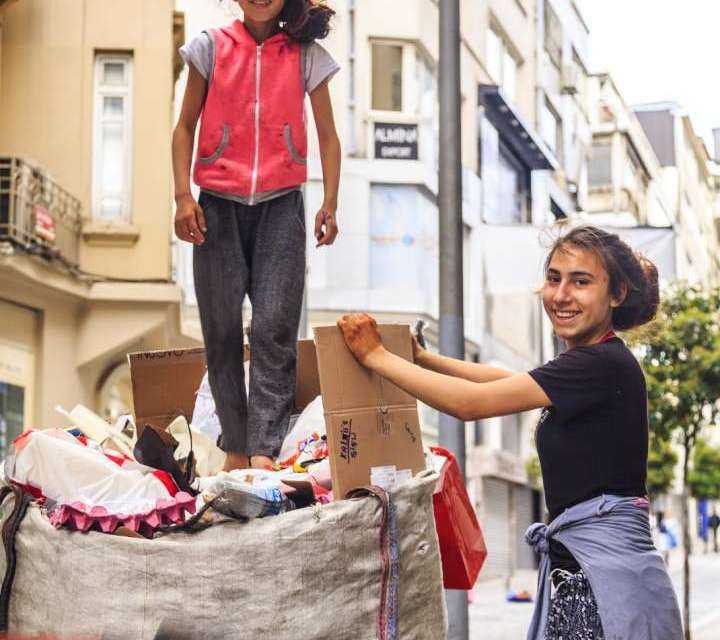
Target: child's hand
{"x":326,"y":229}
{"x":189,"y":220}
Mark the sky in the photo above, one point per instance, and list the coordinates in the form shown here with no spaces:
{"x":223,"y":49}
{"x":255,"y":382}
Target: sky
{"x":660,"y":50}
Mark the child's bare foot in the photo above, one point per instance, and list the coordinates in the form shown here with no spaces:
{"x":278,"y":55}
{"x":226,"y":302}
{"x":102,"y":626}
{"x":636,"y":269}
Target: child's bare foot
{"x":235,"y":461}
{"x":261,"y":462}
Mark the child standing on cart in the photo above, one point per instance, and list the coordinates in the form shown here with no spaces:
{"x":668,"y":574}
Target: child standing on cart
{"x":248,"y":82}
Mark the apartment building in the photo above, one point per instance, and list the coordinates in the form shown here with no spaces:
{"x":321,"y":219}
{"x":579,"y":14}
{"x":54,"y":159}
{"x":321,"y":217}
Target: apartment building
{"x":86,"y":94}
{"x":686,"y":174}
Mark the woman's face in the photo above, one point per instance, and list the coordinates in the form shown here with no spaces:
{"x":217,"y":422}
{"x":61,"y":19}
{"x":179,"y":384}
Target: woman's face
{"x":576,"y":296}
{"x":261,"y":10}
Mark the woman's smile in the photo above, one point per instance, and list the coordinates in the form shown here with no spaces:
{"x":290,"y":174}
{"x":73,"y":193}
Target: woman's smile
{"x":565,"y":316}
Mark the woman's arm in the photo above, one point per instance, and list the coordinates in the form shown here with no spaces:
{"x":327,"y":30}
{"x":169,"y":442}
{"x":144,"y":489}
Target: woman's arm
{"x":330,"y":158}
{"x":458,"y":397}
{"x":189,"y":217}
{"x":473,"y":371}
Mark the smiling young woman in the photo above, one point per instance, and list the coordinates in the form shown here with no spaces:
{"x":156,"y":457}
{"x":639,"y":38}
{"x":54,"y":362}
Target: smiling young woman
{"x":592,"y":439}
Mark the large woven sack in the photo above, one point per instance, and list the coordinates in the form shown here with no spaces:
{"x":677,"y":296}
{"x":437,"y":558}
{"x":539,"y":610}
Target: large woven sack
{"x":360,"y":569}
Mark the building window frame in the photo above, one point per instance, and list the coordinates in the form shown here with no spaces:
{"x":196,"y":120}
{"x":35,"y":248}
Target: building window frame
{"x":553,"y":140}
{"x":523,"y":192}
{"x":406,"y":50}
{"x":600,"y":165}
{"x":102,"y":92}
{"x":507,"y":56}
{"x":552,"y":36}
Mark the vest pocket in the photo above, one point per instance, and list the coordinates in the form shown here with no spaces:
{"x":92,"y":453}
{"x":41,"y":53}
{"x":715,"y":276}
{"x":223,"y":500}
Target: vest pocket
{"x":221,"y":147}
{"x":292,"y":149}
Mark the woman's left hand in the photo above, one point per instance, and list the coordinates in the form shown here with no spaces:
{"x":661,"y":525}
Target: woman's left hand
{"x":362,"y":337}
{"x":326,"y":228}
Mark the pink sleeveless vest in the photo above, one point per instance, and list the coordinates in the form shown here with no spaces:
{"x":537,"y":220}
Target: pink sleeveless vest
{"x":253,"y":136}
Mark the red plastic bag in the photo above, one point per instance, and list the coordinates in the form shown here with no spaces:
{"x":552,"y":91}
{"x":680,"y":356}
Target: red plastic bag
{"x":462,"y":546}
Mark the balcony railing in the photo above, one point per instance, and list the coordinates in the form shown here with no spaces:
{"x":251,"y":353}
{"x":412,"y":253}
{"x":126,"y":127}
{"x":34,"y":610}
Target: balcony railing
{"x":36,"y":214}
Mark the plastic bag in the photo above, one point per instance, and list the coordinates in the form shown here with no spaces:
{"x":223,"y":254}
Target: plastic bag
{"x":307,"y":438}
{"x":84,"y":487}
{"x":204,"y":417}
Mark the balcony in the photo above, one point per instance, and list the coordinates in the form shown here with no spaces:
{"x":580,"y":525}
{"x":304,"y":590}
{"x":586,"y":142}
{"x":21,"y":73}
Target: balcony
{"x":36,"y":214}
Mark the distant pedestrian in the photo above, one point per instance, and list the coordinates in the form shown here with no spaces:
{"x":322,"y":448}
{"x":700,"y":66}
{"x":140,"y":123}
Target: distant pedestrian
{"x":714,"y":523}
{"x":600,"y":576}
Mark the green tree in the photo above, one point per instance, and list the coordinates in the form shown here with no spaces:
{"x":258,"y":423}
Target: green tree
{"x":704,"y":480}
{"x":662,"y":460}
{"x":680,"y":354}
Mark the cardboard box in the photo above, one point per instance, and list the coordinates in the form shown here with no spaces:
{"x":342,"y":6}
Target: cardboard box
{"x":370,"y":422}
{"x":164,"y":384}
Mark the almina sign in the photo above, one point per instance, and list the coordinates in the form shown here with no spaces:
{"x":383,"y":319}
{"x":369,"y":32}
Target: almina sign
{"x":396,"y":141}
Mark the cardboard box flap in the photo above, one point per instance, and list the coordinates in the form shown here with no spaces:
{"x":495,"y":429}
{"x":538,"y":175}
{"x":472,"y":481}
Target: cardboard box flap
{"x":164,"y":384}
{"x":307,"y":387}
{"x":346,"y":385}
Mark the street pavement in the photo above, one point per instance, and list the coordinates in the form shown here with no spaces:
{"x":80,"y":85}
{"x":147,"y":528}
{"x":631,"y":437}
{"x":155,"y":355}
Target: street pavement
{"x":493,"y":618}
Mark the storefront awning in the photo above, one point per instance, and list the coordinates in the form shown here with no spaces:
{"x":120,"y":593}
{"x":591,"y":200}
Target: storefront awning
{"x":514,"y":132}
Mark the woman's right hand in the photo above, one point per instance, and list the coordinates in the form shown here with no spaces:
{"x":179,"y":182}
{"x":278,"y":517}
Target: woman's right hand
{"x":189,"y":220}
{"x":362,"y":337}
{"x":418,"y":351}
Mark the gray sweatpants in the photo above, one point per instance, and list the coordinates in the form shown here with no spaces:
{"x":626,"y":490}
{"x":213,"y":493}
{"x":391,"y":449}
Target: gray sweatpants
{"x":259,"y":251}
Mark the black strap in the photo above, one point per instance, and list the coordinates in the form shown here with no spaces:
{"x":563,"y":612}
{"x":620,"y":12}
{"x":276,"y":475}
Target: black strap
{"x":9,"y":532}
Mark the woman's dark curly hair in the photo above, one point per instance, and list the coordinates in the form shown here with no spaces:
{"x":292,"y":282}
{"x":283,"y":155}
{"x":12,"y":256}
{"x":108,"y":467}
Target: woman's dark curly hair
{"x":306,"y":20}
{"x":627,"y":270}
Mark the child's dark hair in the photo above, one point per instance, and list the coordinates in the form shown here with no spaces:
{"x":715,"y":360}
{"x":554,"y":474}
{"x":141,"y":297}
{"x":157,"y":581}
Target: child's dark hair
{"x":626,"y":269}
{"x":306,"y":20}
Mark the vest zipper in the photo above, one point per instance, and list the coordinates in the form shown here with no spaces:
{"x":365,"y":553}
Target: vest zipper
{"x":256,"y":157}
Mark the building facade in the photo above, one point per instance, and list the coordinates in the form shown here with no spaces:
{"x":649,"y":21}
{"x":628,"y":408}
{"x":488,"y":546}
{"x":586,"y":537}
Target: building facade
{"x":687,"y":177}
{"x":85,"y":193}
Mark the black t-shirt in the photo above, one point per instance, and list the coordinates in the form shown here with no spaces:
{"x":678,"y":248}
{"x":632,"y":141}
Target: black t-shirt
{"x":594,"y":438}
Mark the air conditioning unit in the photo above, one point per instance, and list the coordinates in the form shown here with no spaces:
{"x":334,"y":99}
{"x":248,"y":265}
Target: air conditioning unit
{"x":569,"y":79}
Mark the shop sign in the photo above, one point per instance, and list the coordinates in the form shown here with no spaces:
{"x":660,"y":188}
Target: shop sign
{"x":396,"y":141}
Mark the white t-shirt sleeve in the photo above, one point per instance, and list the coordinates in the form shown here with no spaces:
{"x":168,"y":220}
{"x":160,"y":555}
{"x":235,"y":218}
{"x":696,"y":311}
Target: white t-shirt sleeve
{"x":200,"y":52}
{"x":318,"y":66}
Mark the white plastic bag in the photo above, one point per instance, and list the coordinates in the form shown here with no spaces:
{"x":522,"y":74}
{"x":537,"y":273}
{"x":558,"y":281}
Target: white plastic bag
{"x":204,"y":417}
{"x":311,"y":421}
{"x":86,"y":487}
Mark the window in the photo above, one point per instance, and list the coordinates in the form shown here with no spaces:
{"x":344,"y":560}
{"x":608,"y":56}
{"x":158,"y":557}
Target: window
{"x":494,"y":55}
{"x":551,"y":129}
{"x":387,"y":76}
{"x":600,"y":165}
{"x":403,"y":239}
{"x":12,"y":414}
{"x":553,"y":35}
{"x":502,"y":64}
{"x":513,"y":191}
{"x":509,"y":81}
{"x":428,"y":110}
{"x":112,"y":137}
{"x":581,"y":73}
